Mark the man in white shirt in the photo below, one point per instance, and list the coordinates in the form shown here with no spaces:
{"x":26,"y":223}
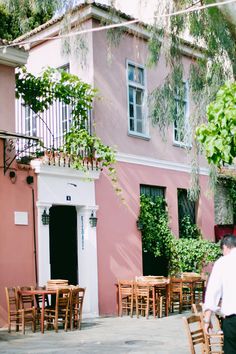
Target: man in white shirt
{"x":222,"y":286}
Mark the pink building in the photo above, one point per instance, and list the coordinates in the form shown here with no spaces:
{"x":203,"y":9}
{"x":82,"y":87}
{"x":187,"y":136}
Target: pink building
{"x":97,"y":257}
{"x":17,"y":242}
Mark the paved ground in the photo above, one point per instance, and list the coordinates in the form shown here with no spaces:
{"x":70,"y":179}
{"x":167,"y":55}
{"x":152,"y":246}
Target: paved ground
{"x":104,"y":335}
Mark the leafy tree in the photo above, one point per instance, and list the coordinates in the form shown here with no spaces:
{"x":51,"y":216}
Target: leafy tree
{"x":20,"y":16}
{"x":218,"y":136}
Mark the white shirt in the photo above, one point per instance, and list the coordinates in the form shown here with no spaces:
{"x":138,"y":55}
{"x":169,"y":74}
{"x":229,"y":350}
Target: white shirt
{"x":222,"y":284}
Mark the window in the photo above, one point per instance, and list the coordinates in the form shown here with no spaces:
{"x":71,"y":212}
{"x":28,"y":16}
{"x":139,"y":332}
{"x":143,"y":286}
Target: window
{"x":152,"y":191}
{"x":181,"y":121}
{"x":186,"y":211}
{"x":30,"y":122}
{"x":136,"y":99}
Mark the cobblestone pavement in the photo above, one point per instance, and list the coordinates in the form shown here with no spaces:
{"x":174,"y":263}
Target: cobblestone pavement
{"x":104,"y":335}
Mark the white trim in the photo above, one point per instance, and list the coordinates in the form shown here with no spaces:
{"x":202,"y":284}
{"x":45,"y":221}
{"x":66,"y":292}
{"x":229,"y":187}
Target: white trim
{"x":39,"y":167}
{"x":13,"y":57}
{"x":186,"y":141}
{"x":146,"y":161}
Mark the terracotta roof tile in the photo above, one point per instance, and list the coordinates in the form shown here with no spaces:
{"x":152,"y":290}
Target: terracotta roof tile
{"x":59,"y":18}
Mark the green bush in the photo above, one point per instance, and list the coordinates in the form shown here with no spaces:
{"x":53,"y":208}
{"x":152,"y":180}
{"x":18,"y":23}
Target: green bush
{"x":191,"y":255}
{"x":188,"y":229}
{"x":184,"y":254}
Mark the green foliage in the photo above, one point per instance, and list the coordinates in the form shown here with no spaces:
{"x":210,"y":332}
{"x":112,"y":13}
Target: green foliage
{"x":191,"y":255}
{"x":218,"y":137}
{"x":183,"y":254}
{"x":79,"y":143}
{"x":20,"y":16}
{"x":41,"y":91}
{"x":154,"y":45}
{"x":53,"y":84}
{"x":188,"y":229}
{"x":162,"y":100}
{"x":156,"y":234}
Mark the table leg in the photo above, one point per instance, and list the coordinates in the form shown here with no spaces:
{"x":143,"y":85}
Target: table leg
{"x":154,"y":300}
{"x":42,"y":313}
{"x":167,"y":299}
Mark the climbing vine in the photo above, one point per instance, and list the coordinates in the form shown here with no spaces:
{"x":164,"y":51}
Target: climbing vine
{"x":39,"y":93}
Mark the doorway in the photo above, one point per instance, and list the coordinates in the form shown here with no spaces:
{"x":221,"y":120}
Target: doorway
{"x":63,"y":243}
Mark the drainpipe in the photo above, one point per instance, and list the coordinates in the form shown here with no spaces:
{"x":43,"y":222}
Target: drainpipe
{"x":34,"y":230}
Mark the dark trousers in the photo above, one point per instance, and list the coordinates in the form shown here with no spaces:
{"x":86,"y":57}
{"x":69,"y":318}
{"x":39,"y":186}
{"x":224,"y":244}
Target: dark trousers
{"x":229,"y":329}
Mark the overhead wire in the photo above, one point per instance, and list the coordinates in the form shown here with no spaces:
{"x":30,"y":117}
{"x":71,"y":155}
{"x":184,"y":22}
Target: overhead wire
{"x":121,"y":24}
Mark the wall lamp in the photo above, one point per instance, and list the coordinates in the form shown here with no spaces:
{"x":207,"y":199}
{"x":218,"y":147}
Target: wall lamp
{"x":93,"y":220}
{"x":12,"y":176}
{"x":45,"y":217}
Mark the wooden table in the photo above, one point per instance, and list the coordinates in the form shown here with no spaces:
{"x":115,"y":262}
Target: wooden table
{"x":43,"y":293}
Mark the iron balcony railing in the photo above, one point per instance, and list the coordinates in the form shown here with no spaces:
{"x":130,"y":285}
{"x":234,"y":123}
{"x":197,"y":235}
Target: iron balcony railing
{"x":50,"y":127}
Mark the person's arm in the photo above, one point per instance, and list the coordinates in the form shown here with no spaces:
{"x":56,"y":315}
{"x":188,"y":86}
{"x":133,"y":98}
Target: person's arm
{"x":207,"y":321}
{"x":213,"y":295}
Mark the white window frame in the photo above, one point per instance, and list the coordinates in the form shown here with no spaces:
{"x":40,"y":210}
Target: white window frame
{"x":137,"y":86}
{"x":186,"y":133}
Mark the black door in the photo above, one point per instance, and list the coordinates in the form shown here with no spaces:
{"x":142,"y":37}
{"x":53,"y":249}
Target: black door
{"x":63,"y":243}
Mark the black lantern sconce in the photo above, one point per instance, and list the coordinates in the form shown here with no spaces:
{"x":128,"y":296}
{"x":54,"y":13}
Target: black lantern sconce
{"x":45,"y":217}
{"x":93,"y":220}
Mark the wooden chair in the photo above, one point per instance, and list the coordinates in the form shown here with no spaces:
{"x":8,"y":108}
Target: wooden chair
{"x":197,"y":309}
{"x":147,"y":299}
{"x":13,"y":313}
{"x":59,"y":314}
{"x":76,"y":307}
{"x":26,"y":303}
{"x":176,"y":294}
{"x":17,"y":315}
{"x":196,"y":337}
{"x":199,"y":291}
{"x":126,"y":297}
{"x":210,"y":343}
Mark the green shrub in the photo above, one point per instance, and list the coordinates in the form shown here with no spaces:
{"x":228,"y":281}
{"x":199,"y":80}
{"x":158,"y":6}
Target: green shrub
{"x":191,"y":255}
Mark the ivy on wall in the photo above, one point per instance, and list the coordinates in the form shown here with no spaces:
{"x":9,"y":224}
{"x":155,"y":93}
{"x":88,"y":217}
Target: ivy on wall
{"x":190,"y":253}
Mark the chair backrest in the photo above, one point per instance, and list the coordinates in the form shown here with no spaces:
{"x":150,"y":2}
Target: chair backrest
{"x":77,"y":297}
{"x":12,"y":299}
{"x":26,"y":301}
{"x":176,"y":286}
{"x":193,"y":326}
{"x":142,"y":289}
{"x":126,"y":287}
{"x":62,"y":299}
{"x":197,"y":309}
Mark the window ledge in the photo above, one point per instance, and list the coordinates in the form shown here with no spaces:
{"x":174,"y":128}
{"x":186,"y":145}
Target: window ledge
{"x":182,"y":145}
{"x":139,"y":136}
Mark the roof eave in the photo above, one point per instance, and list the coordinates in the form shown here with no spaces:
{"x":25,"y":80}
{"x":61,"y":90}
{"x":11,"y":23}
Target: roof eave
{"x":12,"y":56}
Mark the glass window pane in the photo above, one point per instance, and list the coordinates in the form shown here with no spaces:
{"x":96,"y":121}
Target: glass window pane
{"x":131,"y":110}
{"x":139,"y":97}
{"x":131,"y":124}
{"x":139,"y":126}
{"x":131,"y":94}
{"x":139,"y":112}
{"x":131,"y":72}
{"x":140,"y":76}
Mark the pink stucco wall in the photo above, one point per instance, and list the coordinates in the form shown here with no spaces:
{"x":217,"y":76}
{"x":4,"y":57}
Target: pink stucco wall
{"x":119,"y":241}
{"x":111,"y":111}
{"x":16,"y":241}
{"x":7,"y":98}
